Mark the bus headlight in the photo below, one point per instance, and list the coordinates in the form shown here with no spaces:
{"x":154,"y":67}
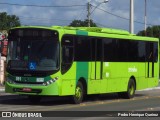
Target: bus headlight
{"x":10,"y":81}
{"x":50,"y":81}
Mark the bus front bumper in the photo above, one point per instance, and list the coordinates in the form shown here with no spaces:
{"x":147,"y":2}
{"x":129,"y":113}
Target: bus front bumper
{"x":50,"y":90}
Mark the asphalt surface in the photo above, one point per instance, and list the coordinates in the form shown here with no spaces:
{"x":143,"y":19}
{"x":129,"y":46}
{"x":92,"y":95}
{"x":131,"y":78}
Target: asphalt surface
{"x":102,"y":107}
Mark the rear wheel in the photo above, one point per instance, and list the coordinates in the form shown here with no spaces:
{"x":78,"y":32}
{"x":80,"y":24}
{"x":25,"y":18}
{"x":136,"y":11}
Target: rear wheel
{"x":130,"y":90}
{"x":79,"y":94}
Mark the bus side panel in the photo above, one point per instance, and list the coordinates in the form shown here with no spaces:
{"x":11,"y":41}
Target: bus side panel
{"x":153,"y":81}
{"x":69,"y":81}
{"x":94,"y":82}
{"x":141,"y":80}
{"x":116,"y":76}
{"x":115,"y":73}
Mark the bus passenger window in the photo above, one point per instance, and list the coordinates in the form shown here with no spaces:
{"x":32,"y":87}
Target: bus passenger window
{"x":67,"y":53}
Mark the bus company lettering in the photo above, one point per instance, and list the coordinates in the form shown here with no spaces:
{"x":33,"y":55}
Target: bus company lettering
{"x":107,"y":64}
{"x":132,"y":69}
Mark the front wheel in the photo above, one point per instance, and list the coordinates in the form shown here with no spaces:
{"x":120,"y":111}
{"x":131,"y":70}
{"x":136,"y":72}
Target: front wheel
{"x":79,"y":93}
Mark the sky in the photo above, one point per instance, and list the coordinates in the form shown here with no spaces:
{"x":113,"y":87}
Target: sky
{"x":113,"y":14}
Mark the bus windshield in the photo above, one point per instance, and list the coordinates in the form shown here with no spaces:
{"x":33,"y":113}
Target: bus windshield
{"x":33,"y":50}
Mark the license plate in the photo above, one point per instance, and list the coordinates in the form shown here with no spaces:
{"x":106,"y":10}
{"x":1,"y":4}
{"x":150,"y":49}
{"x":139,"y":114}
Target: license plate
{"x":27,"y":89}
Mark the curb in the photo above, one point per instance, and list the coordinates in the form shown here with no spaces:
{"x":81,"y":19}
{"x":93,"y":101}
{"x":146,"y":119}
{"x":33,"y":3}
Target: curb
{"x":2,"y":89}
{"x":155,"y":88}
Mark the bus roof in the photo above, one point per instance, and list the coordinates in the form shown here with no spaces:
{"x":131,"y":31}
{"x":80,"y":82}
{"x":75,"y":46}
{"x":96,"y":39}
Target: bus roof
{"x":108,"y":31}
{"x":95,"y":29}
{"x":87,"y":29}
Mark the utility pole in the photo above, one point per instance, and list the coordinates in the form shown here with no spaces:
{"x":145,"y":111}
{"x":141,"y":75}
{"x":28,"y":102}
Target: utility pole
{"x":145,"y":17}
{"x":132,"y":16}
{"x":89,"y":12}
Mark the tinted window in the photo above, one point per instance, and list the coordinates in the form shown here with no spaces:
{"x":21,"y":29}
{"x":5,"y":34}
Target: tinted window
{"x":151,"y":51}
{"x":67,"y":52}
{"x":42,"y":51}
{"x":132,"y":51}
{"x":96,"y":49}
{"x":141,"y":51}
{"x":82,"y":49}
{"x":155,"y":53}
{"x":123,"y":49}
{"x":119,"y":50}
{"x":110,"y":50}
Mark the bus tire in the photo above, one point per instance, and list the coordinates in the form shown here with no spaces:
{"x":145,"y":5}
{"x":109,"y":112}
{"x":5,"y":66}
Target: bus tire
{"x":130,"y":90}
{"x":79,"y":93}
{"x":34,"y":99}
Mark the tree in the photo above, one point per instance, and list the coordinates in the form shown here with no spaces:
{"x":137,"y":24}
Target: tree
{"x":80,"y":23}
{"x":153,"y":31}
{"x":8,"y":21}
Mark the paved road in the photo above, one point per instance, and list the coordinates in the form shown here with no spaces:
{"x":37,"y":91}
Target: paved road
{"x":148,"y":100}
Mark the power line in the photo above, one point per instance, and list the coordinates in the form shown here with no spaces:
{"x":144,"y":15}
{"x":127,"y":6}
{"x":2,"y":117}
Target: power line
{"x":121,"y":16}
{"x":12,"y":4}
{"x":71,"y":6}
{"x":79,"y":16}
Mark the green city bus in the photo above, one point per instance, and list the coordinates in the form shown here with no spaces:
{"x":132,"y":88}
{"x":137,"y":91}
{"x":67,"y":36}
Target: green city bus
{"x":79,"y":61}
